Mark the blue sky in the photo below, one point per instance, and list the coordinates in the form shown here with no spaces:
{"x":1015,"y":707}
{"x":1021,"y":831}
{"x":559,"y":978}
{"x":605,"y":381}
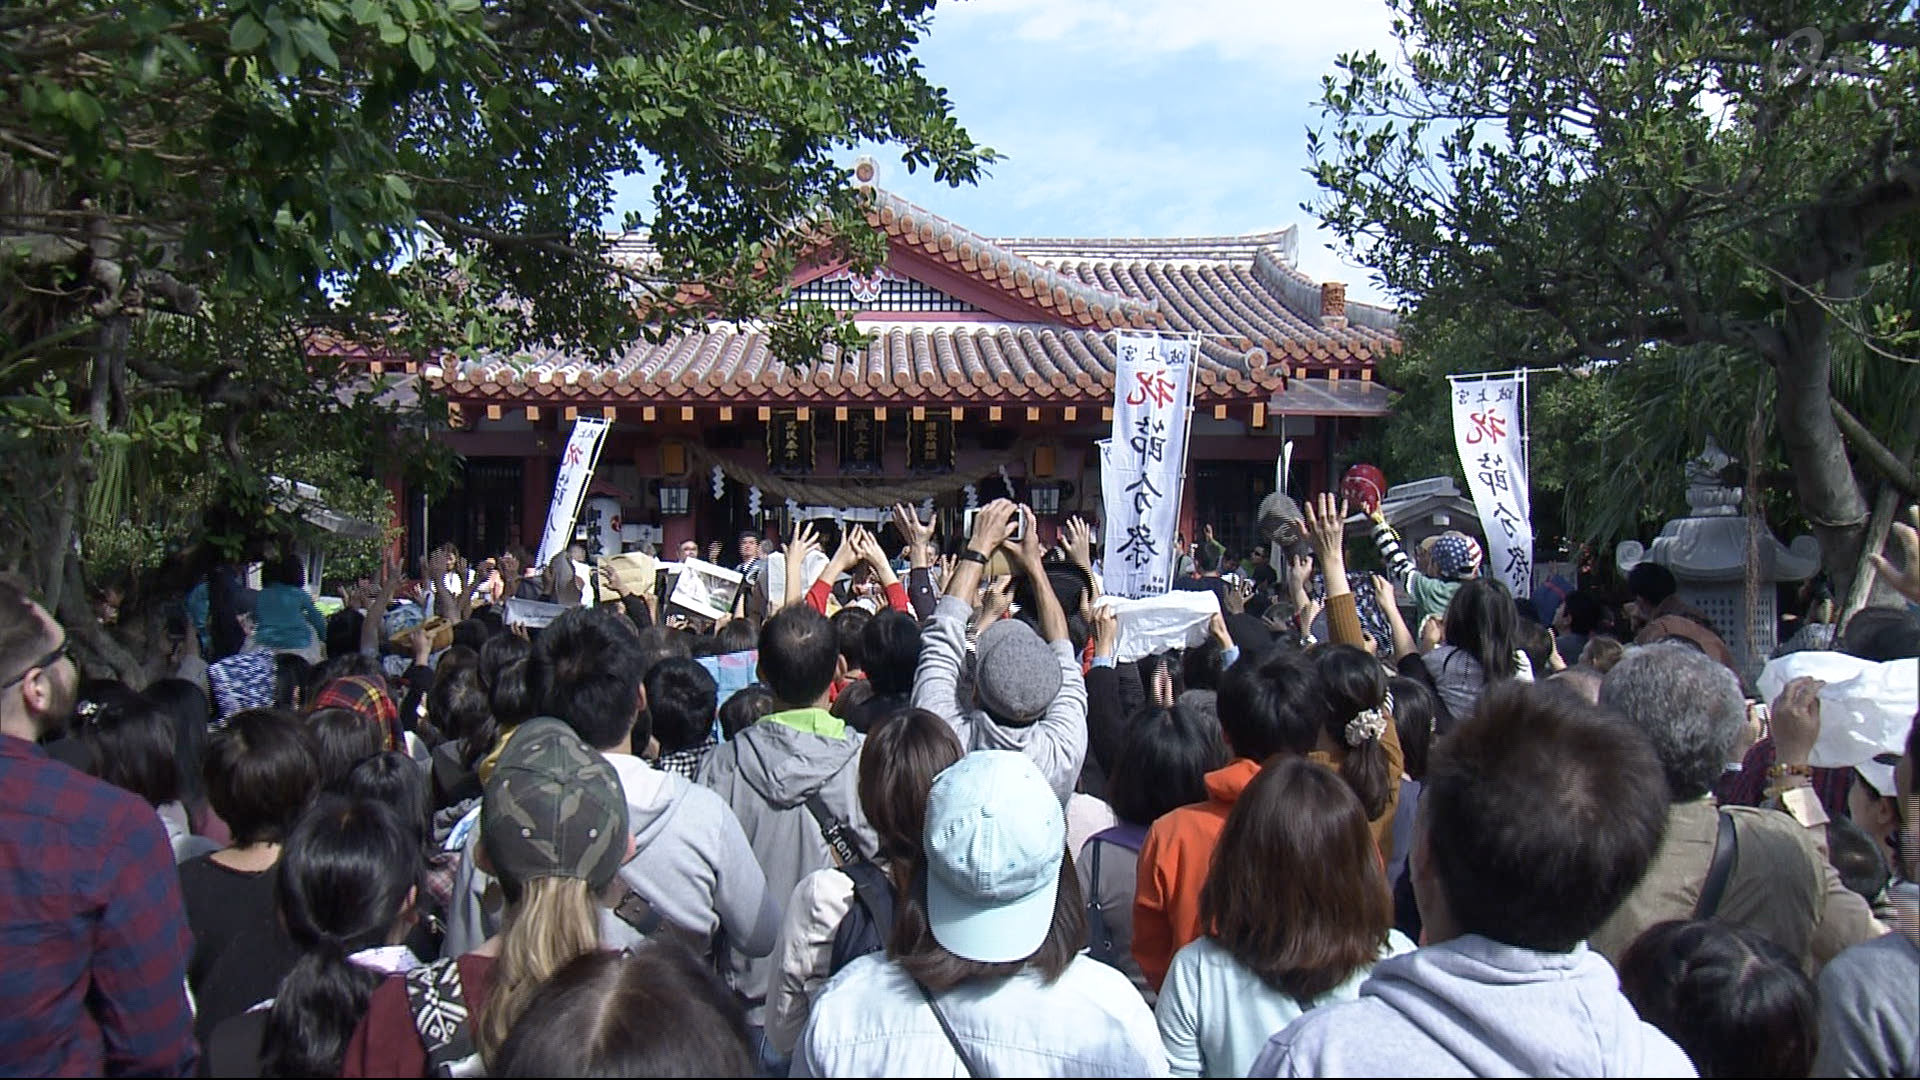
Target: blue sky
{"x":1140,"y":117}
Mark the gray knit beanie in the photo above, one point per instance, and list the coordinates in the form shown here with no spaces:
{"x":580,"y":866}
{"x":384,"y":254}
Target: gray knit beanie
{"x":1016,"y":675}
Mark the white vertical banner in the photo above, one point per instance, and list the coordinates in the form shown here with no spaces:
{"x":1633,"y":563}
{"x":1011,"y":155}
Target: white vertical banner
{"x":1144,"y":464}
{"x":1488,"y":429}
{"x":576,"y":472}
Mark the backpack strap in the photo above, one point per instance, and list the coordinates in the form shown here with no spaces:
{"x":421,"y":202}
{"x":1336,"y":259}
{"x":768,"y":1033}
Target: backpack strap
{"x":1726,"y":848}
{"x":833,"y":831}
{"x":440,"y":1014}
{"x":873,"y":891}
{"x":1126,"y":835}
{"x":967,"y":1060}
{"x":869,"y":918}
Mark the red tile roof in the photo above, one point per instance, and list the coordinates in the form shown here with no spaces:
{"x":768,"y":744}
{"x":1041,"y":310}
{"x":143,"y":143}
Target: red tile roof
{"x":1041,"y":332}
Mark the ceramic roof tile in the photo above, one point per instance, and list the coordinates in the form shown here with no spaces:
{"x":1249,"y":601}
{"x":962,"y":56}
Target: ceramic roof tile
{"x":1259,"y":317}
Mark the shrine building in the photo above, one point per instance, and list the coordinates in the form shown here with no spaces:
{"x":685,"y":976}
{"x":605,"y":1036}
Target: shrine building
{"x":990,"y":369}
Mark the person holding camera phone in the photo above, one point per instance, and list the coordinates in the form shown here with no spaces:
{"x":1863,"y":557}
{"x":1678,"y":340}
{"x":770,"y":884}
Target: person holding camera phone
{"x":1029,"y":695}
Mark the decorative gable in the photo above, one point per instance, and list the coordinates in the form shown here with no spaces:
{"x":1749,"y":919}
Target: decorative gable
{"x":883,"y":290}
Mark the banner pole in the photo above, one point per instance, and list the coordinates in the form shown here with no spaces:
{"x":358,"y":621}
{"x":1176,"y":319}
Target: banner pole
{"x":1186,"y":449}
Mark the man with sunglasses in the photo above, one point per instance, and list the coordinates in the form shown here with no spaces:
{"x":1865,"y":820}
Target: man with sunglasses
{"x":93,"y":940}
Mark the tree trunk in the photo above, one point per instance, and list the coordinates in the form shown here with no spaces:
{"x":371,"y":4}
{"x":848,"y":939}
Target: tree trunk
{"x":97,"y":648}
{"x":1816,"y":451}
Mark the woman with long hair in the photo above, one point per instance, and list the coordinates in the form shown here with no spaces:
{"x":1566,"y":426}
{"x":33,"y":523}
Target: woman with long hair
{"x":1299,"y":912}
{"x":652,"y":1011}
{"x":553,"y":830}
{"x":1357,"y":737}
{"x":347,"y":887}
{"x":186,"y":705}
{"x":897,"y":767}
{"x":1479,"y":646}
{"x":984,"y":974}
{"x":1163,"y":763}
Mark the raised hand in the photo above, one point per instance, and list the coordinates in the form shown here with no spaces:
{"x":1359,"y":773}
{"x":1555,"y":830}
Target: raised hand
{"x":1796,"y":720}
{"x":1161,"y":688}
{"x":997,"y":599}
{"x":1028,"y":549}
{"x":1076,"y":536}
{"x":919,"y":534}
{"x":1906,"y":537}
{"x":1326,"y":518}
{"x":1106,"y":630}
{"x":992,"y":526}
{"x":1383,"y":592}
{"x":1236,"y":599}
{"x":1299,"y":572}
{"x":805,"y":542}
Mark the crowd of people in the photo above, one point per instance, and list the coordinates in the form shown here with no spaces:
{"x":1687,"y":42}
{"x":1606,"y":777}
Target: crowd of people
{"x":908,"y":809}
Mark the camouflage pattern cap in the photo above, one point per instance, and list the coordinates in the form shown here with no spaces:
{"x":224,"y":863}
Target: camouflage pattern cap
{"x":553,"y":808}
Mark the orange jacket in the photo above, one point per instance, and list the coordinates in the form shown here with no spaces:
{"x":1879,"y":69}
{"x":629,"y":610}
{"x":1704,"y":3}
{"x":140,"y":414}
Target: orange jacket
{"x":1178,"y":852}
{"x":1173,"y":866}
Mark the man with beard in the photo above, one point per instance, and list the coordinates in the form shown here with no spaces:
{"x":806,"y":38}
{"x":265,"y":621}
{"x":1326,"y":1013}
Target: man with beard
{"x":92,"y":935}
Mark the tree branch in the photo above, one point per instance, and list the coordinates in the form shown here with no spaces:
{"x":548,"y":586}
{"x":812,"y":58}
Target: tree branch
{"x":1875,"y":452}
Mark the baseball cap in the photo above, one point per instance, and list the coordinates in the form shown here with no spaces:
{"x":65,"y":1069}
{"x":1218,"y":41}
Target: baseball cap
{"x":1016,"y":675}
{"x":995,"y":840}
{"x":553,"y":808}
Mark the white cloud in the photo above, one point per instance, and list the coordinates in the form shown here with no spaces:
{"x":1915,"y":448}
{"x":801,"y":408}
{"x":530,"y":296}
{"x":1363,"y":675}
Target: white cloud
{"x":1295,"y":37}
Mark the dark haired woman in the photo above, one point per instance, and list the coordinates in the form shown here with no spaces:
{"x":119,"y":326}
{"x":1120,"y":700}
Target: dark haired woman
{"x":185,"y":704}
{"x":1300,"y":913}
{"x":653,"y":1011}
{"x":1357,"y":737}
{"x":897,"y":767}
{"x":1738,"y":1004}
{"x":261,"y":773}
{"x":129,"y":743}
{"x":1414,"y":717}
{"x":984,"y":975}
{"x":1163,"y":763}
{"x":346,"y":889}
{"x":1479,"y":646}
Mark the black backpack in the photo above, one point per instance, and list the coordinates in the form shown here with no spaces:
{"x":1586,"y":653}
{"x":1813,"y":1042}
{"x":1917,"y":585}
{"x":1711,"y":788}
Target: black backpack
{"x":869,"y":920}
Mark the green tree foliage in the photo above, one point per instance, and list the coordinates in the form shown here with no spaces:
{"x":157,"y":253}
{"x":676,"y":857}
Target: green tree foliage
{"x":1716,"y":200}
{"x":192,"y":192}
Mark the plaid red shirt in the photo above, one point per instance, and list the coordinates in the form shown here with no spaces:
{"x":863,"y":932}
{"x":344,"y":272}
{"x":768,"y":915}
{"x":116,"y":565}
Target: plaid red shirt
{"x":93,"y":939}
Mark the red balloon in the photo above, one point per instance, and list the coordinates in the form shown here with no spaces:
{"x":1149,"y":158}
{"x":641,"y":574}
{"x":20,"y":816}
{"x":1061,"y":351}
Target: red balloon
{"x":1364,"y":486}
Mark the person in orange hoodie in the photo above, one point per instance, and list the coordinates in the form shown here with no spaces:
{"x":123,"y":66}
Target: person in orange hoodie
{"x":1279,"y":706}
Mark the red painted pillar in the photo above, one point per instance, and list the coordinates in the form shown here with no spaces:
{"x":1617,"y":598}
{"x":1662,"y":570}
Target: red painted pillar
{"x":536,"y":494}
{"x":677,"y":529}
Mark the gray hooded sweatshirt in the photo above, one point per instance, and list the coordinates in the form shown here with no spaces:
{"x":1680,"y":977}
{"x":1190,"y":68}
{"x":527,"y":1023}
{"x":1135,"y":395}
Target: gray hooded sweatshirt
{"x":766,"y":775}
{"x":1475,"y":1007}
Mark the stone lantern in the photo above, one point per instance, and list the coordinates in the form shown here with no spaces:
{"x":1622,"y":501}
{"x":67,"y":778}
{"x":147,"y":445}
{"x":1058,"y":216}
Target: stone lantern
{"x":1707,"y":553}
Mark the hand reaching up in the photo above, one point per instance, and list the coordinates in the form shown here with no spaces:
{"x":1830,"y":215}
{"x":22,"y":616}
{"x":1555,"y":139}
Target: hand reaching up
{"x":992,"y":526}
{"x":804,"y":544}
{"x":1106,"y":630}
{"x":1906,"y":537}
{"x":1076,"y":537}
{"x":919,"y":534}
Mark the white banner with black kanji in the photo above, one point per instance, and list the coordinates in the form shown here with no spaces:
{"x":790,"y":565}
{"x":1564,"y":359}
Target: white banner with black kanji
{"x":1142,"y":466}
{"x":1489,"y":415}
